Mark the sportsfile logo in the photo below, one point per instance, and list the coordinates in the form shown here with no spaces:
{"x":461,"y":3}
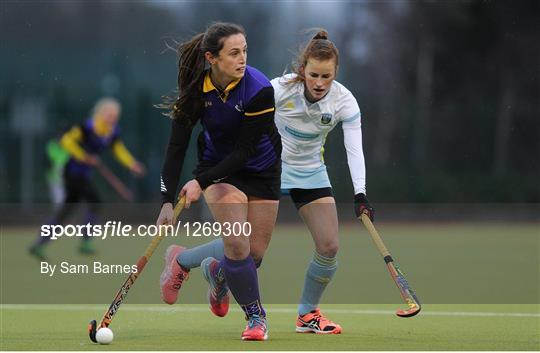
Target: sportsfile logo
{"x":109,"y":229}
{"x":120,"y":230}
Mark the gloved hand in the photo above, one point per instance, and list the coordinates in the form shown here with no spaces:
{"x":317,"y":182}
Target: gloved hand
{"x":361,"y":205}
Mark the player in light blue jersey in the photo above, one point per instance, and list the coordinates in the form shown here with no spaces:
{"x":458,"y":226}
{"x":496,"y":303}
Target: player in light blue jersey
{"x":309,"y":104}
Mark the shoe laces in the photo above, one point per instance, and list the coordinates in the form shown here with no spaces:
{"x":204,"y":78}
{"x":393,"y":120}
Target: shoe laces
{"x":219,"y":292}
{"x":220,"y":288}
{"x":319,"y":317}
{"x":256,"y":320}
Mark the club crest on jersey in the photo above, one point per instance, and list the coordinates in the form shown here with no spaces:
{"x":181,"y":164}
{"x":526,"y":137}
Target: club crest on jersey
{"x":239,"y":107}
{"x":326,"y":118}
{"x":207,"y":104}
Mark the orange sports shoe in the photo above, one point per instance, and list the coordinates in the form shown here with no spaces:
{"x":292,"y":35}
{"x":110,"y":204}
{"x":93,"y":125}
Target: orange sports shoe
{"x":256,"y":329}
{"x":173,"y":275}
{"x":315,"y":322}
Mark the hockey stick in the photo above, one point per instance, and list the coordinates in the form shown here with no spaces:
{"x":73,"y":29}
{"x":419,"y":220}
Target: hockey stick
{"x":117,"y":185}
{"x":405,"y":289}
{"x":122,"y":293}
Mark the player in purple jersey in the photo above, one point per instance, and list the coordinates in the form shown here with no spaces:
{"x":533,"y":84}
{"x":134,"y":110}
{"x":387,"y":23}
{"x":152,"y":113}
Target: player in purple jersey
{"x":239,"y":164}
{"x":84,"y":143}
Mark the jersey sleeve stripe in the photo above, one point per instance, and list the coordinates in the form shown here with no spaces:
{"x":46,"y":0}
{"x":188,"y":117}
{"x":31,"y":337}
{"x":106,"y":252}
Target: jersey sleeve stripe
{"x":260,"y":112}
{"x":352,"y":118}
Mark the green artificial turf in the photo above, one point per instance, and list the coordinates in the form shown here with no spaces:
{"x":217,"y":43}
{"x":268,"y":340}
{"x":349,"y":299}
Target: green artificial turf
{"x":192,"y":327}
{"x":473,"y":279}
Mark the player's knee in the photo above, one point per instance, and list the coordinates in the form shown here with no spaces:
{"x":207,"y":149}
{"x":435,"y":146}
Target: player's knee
{"x":328,"y":249}
{"x":236,"y":249}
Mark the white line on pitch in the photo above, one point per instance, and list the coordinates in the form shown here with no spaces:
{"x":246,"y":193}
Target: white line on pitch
{"x":179,"y":309}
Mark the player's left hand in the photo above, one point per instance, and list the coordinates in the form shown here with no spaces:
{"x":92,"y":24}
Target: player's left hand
{"x":138,"y":169}
{"x":192,"y":191}
{"x":361,"y":205}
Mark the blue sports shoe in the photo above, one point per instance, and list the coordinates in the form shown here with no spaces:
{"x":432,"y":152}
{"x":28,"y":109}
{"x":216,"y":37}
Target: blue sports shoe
{"x":218,"y":292}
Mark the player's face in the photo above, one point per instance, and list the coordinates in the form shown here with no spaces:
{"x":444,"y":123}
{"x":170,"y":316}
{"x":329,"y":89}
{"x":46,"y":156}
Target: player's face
{"x":230,"y":64}
{"x":110,"y":113}
{"x":318,"y":78}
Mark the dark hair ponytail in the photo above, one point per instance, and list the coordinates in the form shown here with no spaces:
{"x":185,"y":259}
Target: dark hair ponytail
{"x":191,"y":64}
{"x":189,"y":105}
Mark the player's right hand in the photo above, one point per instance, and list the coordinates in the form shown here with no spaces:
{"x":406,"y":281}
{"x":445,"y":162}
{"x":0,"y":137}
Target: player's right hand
{"x":166,"y":215}
{"x":192,"y":191}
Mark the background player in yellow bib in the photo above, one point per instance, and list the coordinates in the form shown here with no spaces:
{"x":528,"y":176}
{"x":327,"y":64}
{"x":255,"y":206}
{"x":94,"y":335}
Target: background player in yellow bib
{"x":309,"y":104}
{"x":84,"y":143}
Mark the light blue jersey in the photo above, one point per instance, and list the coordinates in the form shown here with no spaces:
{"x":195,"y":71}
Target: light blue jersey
{"x":303,"y":127}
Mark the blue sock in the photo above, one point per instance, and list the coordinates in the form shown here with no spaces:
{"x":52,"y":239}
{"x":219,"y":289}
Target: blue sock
{"x":192,"y":258}
{"x":241,"y":276}
{"x":319,"y":273}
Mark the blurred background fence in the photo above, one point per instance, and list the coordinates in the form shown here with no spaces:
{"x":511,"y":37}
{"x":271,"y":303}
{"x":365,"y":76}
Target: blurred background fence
{"x":449,"y":90}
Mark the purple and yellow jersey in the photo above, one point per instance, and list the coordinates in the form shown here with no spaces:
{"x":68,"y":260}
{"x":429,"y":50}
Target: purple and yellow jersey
{"x":239,"y":133}
{"x":223,"y":116}
{"x":92,"y":137}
